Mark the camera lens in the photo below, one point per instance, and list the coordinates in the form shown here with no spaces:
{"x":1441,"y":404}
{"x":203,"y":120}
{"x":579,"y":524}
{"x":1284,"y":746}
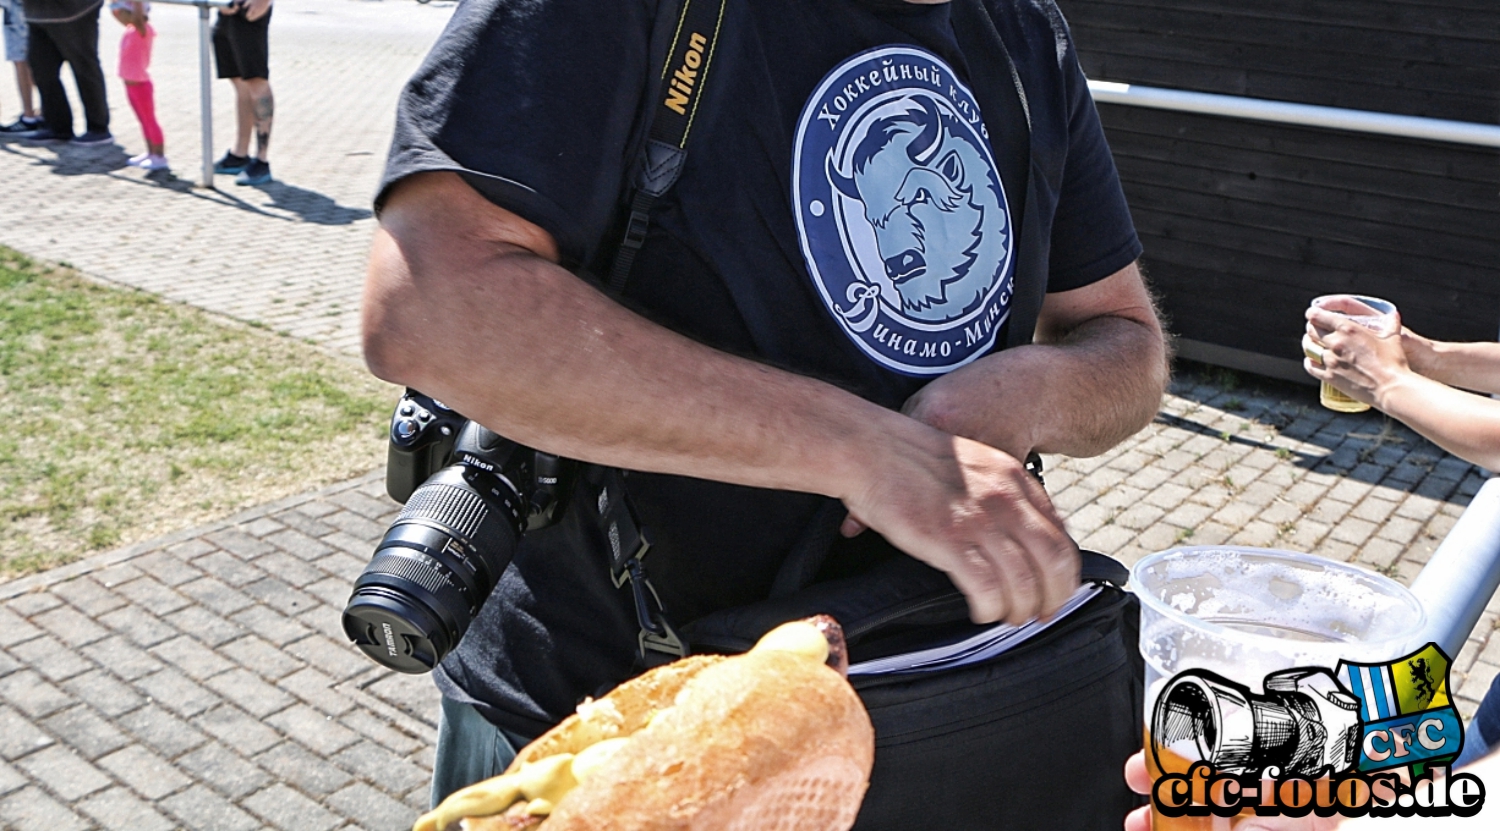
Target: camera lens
{"x":434,"y":568}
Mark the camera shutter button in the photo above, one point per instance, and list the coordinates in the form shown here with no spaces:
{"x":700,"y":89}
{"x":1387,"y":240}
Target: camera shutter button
{"x":405,"y":428}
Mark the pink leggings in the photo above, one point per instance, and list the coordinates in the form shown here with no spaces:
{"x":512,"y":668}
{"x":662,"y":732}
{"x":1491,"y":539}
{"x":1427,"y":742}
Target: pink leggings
{"x":143,"y":101}
{"x":135,"y":57}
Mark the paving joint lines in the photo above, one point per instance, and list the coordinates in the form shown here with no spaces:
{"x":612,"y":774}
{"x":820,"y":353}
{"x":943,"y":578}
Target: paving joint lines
{"x":203,"y":680}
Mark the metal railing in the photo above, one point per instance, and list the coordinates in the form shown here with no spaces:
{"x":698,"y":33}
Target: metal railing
{"x":1307,"y":115}
{"x":205,"y":79}
{"x":1462,"y":575}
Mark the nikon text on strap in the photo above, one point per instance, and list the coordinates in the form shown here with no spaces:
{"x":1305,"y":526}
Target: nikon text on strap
{"x":683,"y":76}
{"x":685,"y":63}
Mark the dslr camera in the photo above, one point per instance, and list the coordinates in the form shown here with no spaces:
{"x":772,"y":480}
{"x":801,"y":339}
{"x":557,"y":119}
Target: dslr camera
{"x":470,"y":494}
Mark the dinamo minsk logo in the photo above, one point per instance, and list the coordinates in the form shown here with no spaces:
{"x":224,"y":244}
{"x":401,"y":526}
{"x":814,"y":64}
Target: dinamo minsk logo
{"x":901,"y":214}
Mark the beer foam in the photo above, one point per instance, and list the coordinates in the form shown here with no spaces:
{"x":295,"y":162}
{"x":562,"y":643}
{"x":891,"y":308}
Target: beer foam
{"x":1232,"y":606}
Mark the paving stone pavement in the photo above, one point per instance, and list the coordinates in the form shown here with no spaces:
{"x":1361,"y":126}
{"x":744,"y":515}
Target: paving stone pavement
{"x":201,"y":681}
{"x":289,"y":254}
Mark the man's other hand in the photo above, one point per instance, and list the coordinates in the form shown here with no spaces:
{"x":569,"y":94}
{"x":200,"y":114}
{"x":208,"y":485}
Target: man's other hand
{"x":975,"y":513}
{"x":256,"y":9}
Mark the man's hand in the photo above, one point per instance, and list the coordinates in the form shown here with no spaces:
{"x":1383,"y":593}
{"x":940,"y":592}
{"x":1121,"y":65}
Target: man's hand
{"x":1095,"y":375}
{"x":976,"y":514}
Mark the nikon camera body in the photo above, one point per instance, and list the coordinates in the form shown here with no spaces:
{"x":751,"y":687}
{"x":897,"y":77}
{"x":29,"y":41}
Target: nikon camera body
{"x":470,"y":495}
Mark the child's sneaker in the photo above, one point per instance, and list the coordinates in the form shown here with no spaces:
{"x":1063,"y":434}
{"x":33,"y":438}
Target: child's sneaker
{"x":153,"y":162}
{"x":22,"y":125}
{"x":231,"y":163}
{"x":135,"y":161}
{"x":257,"y":173}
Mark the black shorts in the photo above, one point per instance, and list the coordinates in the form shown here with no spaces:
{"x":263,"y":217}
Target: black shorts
{"x":240,"y":46}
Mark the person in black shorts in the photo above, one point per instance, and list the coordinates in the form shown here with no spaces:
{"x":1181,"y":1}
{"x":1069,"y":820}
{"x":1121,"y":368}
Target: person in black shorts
{"x":241,"y":52}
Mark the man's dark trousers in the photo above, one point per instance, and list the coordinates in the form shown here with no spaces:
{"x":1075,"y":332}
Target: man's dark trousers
{"x":77,"y":43}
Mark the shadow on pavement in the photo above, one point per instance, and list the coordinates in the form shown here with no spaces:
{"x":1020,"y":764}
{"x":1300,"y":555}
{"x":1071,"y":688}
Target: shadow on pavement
{"x":310,"y":205}
{"x":73,"y":160}
{"x":303,"y":204}
{"x":1367,"y":447}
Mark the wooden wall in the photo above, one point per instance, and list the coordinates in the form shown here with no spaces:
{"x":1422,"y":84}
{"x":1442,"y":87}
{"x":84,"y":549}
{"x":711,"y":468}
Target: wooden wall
{"x":1244,"y":222}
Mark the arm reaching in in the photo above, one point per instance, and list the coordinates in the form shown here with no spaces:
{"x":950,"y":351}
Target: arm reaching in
{"x":1470,"y":366}
{"x":465,"y":301}
{"x":1094,"y":376}
{"x":1383,"y":372}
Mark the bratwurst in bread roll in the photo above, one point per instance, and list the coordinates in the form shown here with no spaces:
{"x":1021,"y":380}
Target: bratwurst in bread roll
{"x":771,"y":739}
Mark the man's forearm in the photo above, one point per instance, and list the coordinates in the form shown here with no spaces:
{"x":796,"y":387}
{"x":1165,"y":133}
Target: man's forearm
{"x":1092,"y":379}
{"x":464,"y":302}
{"x":534,"y":353}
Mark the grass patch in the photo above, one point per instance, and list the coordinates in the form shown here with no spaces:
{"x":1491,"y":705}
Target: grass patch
{"x":128,"y":417}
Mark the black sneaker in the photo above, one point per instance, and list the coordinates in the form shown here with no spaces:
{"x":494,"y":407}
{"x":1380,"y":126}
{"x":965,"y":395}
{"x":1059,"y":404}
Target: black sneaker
{"x":231,"y":163}
{"x":256,"y":173}
{"x":45,"y":134}
{"x":22,"y":125}
{"x":93,"y":137}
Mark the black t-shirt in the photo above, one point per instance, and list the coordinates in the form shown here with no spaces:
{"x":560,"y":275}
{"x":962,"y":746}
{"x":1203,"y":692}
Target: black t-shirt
{"x":845,"y":212}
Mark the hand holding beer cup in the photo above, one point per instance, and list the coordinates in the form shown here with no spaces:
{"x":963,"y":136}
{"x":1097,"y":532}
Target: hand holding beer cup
{"x":1139,"y":779}
{"x":1353,"y":346}
{"x":1242,"y":648}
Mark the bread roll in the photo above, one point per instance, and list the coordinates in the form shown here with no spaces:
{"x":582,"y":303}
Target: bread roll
{"x":769,"y":740}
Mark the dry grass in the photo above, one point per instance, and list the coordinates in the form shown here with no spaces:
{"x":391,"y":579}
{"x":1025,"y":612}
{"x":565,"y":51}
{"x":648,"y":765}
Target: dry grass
{"x":127,"y":417}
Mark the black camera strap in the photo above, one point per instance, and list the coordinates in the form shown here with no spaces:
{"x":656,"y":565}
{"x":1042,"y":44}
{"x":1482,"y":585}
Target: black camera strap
{"x":677,"y":91}
{"x":685,"y":54}
{"x":657,"y":642}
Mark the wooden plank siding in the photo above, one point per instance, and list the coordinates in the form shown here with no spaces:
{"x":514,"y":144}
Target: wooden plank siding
{"x":1243,"y":222}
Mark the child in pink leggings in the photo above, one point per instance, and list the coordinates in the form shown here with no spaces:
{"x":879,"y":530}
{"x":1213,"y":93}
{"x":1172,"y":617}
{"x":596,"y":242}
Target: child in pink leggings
{"x":135,"y":58}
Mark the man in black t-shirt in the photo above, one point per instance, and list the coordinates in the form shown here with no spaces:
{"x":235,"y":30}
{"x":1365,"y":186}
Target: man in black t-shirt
{"x":821,"y":309}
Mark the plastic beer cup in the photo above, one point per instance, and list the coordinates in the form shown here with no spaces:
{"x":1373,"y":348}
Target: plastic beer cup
{"x":1245,"y":612}
{"x":1373,"y":313}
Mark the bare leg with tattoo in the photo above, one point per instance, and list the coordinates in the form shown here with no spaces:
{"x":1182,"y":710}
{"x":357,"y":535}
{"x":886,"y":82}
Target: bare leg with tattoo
{"x":262,"y":107}
{"x":255,"y":107}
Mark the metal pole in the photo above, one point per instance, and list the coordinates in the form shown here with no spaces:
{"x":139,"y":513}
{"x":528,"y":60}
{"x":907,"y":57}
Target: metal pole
{"x":1459,"y":580}
{"x":205,"y":95}
{"x":1307,"y":115}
